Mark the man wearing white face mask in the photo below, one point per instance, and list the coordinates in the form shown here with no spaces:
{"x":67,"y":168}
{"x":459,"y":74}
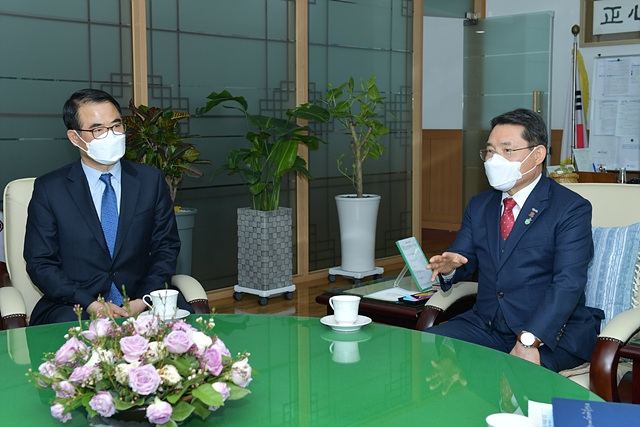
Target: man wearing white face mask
{"x":100,"y":223}
{"x":529,"y":240}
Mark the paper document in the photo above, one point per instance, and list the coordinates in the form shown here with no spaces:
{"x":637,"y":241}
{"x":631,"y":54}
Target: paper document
{"x":391,"y":294}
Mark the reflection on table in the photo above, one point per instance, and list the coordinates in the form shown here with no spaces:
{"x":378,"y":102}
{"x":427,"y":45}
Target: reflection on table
{"x":307,"y":374}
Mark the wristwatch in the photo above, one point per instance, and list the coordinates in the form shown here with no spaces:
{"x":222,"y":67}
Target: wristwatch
{"x":527,"y":339}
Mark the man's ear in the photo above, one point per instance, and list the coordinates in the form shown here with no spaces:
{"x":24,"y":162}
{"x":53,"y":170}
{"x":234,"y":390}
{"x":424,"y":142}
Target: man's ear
{"x":73,"y":137}
{"x":541,"y":154}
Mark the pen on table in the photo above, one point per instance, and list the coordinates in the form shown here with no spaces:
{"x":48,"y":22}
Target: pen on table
{"x":594,"y":167}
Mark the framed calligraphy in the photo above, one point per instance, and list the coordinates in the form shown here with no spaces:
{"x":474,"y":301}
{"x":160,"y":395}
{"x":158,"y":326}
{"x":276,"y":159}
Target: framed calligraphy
{"x":607,"y":22}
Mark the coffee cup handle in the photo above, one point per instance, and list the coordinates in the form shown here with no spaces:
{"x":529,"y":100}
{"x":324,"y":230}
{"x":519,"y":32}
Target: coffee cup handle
{"x":144,"y":300}
{"x":331,"y":303}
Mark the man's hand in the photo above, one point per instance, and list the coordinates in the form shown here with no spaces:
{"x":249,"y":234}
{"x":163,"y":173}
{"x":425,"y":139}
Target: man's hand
{"x":136,"y":307}
{"x":527,"y":353}
{"x":445,"y":263}
{"x":106,"y":309}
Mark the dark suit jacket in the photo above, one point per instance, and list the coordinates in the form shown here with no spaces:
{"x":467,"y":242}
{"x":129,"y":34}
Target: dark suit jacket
{"x":65,"y":249}
{"x":538,"y":281}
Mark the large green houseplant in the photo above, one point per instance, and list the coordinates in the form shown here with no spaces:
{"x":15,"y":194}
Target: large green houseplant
{"x":358,"y":112}
{"x":265,"y":229}
{"x":153,"y":138}
{"x":273,"y":147}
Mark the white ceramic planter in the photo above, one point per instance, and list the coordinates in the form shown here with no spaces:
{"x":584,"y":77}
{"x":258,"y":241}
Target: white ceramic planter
{"x":358,"y":218}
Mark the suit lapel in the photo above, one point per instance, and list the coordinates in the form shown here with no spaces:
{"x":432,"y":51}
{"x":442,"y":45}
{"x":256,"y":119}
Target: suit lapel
{"x":536,"y":203}
{"x":78,"y":189}
{"x":130,"y":188}
{"x":492,"y":221}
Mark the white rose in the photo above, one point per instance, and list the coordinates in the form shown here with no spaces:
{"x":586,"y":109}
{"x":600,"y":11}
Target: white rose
{"x":99,"y":355}
{"x":122,"y":372}
{"x":156,"y":351}
{"x":169,"y":375}
{"x":202,"y":341}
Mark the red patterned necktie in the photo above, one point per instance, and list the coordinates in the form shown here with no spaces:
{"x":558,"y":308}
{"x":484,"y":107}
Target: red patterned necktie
{"x":506,"y":222}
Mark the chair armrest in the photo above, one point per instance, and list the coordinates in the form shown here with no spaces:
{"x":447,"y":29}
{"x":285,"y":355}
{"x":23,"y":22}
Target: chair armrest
{"x":603,"y":374}
{"x":442,"y":306}
{"x":193,"y":292}
{"x":12,"y":308}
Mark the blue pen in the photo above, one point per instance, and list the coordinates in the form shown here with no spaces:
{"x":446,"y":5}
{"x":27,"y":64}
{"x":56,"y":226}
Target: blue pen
{"x":594,"y":167}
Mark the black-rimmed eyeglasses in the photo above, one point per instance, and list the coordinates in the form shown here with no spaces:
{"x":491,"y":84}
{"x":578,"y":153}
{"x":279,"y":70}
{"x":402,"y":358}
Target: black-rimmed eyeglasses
{"x":101,"y":132}
{"x":487,"y":153}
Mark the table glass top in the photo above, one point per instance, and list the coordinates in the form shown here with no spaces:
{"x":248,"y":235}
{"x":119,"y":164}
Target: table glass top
{"x":305,"y":374}
{"x":377,"y":286}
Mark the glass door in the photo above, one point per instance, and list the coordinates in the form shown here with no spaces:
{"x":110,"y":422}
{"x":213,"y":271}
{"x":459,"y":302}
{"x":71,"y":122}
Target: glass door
{"x":507,"y":65}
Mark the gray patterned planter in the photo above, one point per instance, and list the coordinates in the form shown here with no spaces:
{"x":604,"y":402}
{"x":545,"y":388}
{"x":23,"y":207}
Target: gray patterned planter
{"x":264,"y":249}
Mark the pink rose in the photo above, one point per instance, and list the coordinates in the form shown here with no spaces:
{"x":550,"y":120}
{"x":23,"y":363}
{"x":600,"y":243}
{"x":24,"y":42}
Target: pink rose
{"x":223,"y":389}
{"x":159,"y":412}
{"x":133,"y":347}
{"x":181,"y":325}
{"x":221,"y":347}
{"x":241,"y":373}
{"x":103,"y":404}
{"x":64,"y":389}
{"x":97,"y":329}
{"x":69,"y":350}
{"x":144,"y":380}
{"x":146,"y":325}
{"x":81,"y":374}
{"x":213,"y":361}
{"x":57,"y":412}
{"x":178,"y":342}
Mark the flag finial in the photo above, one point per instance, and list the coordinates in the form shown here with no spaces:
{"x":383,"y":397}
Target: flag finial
{"x":575,"y":30}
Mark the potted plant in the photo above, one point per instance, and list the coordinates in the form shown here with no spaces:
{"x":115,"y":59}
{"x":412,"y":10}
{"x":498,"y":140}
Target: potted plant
{"x":153,"y":138}
{"x":264,"y":229}
{"x":358,"y":113}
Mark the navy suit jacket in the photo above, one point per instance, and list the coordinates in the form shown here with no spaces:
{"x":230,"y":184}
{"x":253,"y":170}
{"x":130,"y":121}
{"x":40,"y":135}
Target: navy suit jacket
{"x":538,"y":281}
{"x":65,"y":249}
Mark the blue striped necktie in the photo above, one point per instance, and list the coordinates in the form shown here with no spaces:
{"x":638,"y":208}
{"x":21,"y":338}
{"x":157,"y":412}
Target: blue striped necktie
{"x":109,"y":220}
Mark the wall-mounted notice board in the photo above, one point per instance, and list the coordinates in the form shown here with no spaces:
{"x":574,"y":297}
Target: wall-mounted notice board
{"x":614,"y":124}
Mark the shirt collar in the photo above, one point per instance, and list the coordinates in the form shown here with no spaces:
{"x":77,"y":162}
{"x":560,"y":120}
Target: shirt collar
{"x":521,"y":196}
{"x":93,"y":175}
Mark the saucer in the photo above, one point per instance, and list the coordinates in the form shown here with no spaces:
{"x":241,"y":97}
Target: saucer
{"x":180,"y":314}
{"x":343,"y":327}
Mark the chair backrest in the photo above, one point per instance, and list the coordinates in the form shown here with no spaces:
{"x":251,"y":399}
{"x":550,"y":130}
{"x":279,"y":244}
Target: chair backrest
{"x":17,"y":195}
{"x":613,"y":281}
{"x":614,"y":205}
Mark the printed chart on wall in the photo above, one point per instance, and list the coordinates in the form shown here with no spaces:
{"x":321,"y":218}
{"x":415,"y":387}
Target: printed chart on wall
{"x":614,"y":137}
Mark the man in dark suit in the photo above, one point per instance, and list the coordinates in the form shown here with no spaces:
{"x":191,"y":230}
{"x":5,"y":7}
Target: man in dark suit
{"x":531,"y":254}
{"x":70,"y":256}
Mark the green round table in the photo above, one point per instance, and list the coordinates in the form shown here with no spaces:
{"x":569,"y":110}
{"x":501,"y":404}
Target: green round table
{"x":306,"y":374}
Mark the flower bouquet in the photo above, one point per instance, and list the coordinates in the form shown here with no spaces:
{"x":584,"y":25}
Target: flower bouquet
{"x":168,"y":369}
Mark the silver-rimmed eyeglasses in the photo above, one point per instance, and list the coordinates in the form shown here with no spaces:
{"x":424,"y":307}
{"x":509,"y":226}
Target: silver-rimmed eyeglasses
{"x":487,"y":153}
{"x":101,"y":132}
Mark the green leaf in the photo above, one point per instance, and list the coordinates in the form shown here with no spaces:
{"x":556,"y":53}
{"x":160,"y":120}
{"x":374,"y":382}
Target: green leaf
{"x":200,"y":409}
{"x":182,"y":411}
{"x":208,"y":395}
{"x":237,"y":392}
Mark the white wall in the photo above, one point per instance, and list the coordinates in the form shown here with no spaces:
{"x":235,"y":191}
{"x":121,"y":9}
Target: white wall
{"x":439,"y":85}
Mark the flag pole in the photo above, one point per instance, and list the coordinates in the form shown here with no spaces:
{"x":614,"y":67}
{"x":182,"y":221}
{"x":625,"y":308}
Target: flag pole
{"x":575,"y":30}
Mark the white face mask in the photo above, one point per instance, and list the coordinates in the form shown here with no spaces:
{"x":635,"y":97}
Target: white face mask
{"x":502,"y":173}
{"x":107,"y":150}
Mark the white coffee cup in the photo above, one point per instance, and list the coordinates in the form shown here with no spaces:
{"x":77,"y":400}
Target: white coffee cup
{"x":164,"y":303}
{"x":345,"y":351}
{"x":345,"y":308}
{"x":509,"y":420}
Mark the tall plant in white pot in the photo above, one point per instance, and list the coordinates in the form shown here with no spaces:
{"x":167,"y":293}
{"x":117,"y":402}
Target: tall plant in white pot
{"x":358,"y":112}
{"x":265,"y":259}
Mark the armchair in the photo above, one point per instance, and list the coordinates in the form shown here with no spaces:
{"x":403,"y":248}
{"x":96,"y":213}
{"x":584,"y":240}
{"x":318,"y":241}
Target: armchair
{"x":614,"y":205}
{"x":18,"y":299}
